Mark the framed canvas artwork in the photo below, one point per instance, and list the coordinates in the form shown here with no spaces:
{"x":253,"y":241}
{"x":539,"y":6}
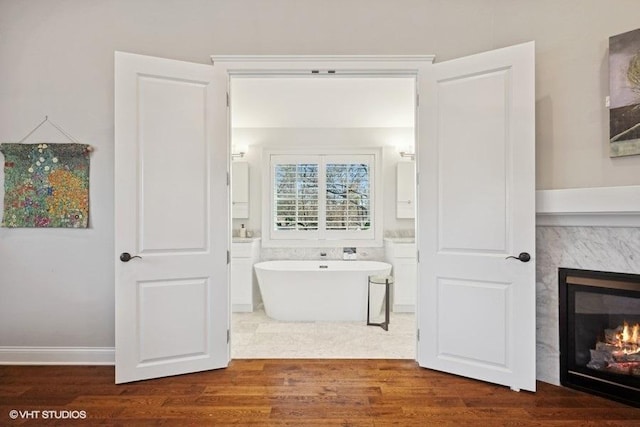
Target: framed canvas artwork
{"x":624,"y":87}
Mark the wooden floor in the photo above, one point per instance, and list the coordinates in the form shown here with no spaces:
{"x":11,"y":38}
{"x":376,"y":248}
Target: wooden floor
{"x":295,"y":393}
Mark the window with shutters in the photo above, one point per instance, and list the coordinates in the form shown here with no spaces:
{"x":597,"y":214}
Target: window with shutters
{"x":347,"y":196}
{"x":322,"y":197}
{"x":295,"y":196}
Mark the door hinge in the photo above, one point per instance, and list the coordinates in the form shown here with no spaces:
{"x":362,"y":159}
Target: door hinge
{"x":228,"y":179}
{"x":418,"y":256}
{"x":418,"y":334}
{"x":417,"y":178}
{"x":228,"y":335}
{"x":228,"y":102}
{"x":417,"y":99}
{"x":228,"y":257}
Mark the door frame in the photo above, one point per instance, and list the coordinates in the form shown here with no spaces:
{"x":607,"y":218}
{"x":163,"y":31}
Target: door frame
{"x":308,"y":66}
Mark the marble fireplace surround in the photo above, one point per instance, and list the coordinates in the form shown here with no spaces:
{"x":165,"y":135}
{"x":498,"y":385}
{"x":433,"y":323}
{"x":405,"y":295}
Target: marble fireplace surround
{"x":589,"y":229}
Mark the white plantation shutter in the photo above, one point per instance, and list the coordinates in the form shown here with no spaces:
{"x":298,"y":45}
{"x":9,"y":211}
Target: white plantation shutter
{"x":295,"y":193}
{"x":347,"y":196}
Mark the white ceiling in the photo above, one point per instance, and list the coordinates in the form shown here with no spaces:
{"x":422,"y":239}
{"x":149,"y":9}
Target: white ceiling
{"x":322,"y":102}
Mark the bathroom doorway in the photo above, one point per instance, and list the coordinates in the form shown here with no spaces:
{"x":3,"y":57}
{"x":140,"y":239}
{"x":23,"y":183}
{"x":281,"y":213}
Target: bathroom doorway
{"x":306,"y":115}
{"x":466,"y":243}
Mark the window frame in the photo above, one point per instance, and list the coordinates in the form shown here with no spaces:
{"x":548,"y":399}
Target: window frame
{"x":322,"y":237}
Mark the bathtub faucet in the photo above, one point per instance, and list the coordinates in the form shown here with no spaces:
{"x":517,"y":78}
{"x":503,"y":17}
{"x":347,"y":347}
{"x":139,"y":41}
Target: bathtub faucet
{"x":349,"y":254}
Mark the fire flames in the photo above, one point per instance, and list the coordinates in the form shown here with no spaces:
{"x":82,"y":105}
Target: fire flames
{"x":619,"y":352}
{"x":629,"y":339}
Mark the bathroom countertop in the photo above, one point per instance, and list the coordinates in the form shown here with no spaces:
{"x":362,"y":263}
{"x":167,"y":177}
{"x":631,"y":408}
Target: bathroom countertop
{"x":244,"y":239}
{"x":400,"y":239}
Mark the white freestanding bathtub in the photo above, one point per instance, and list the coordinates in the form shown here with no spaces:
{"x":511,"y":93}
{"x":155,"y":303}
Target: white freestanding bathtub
{"x":317,"y":290}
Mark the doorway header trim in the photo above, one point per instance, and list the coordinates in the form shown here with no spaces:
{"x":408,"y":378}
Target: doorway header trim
{"x":322,"y":65}
{"x":322,"y":58}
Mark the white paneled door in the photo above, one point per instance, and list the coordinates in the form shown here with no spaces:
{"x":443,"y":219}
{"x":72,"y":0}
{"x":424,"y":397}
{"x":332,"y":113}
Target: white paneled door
{"x":171,"y":218}
{"x":477,"y":210}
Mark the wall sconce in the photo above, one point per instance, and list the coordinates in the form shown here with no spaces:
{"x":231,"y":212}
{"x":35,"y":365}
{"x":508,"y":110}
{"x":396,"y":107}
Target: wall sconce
{"x":238,"y":151}
{"x":412,"y":156}
{"x":406,"y":151}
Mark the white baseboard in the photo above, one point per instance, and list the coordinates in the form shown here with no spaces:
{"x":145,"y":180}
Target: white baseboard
{"x":10,"y":355}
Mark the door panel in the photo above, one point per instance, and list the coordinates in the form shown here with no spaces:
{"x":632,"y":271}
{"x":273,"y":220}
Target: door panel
{"x":172,"y":210}
{"x":160,"y":316}
{"x":476,"y":207}
{"x":173,"y":138}
{"x":482,"y":306}
{"x":473,"y":127}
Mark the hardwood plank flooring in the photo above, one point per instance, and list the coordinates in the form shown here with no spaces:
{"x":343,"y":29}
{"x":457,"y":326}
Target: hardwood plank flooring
{"x":295,"y":392}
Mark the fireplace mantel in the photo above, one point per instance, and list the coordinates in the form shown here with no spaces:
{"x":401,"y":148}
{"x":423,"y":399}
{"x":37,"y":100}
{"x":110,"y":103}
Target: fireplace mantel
{"x":599,"y":206}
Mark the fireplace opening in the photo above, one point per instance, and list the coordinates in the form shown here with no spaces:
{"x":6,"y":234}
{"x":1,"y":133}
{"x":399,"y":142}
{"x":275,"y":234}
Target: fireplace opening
{"x":600,"y":333}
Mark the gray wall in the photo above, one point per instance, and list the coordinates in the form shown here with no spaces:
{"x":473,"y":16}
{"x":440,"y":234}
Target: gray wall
{"x":56,"y":59}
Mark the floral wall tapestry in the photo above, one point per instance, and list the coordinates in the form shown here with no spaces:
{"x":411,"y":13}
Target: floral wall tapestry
{"x":46,"y":185}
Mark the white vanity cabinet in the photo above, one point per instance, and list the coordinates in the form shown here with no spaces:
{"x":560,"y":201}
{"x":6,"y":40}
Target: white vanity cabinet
{"x":240,"y":190}
{"x":406,"y":190}
{"x":245,"y":294}
{"x":401,"y":254}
